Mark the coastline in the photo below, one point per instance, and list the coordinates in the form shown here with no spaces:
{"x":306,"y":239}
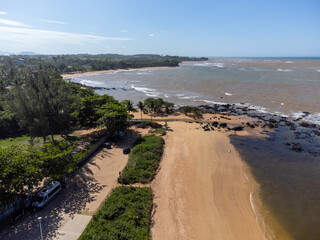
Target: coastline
{"x":201,"y":189}
{"x":77,"y":74}
{"x":194,"y":178}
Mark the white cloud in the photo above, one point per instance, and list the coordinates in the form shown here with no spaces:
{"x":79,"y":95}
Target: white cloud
{"x":124,"y":31}
{"x":52,"y":21}
{"x":3,"y":13}
{"x":151,"y":35}
{"x":12,"y":23}
{"x":28,"y":35}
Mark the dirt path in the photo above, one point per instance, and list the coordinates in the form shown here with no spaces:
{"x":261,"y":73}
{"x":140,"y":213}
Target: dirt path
{"x":201,"y":191}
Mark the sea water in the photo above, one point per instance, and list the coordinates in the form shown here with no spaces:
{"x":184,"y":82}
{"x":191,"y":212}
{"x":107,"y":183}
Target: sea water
{"x":282,"y":86}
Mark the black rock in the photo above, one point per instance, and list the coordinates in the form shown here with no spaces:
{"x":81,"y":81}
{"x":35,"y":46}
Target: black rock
{"x":237,"y":128}
{"x":223,"y":125}
{"x":215,"y":124}
{"x":296,"y":147}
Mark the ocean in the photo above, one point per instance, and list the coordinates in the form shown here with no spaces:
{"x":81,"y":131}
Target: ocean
{"x":286,"y":87}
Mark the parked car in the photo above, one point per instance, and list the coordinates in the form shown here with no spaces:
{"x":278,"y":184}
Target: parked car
{"x":107,"y":145}
{"x":46,"y":194}
{"x":126,"y":150}
{"x":119,"y":134}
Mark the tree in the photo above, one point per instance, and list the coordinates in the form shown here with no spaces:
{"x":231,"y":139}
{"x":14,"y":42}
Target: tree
{"x":158,"y":105}
{"x":150,"y":104}
{"x":196,"y":112}
{"x":57,"y":159}
{"x":87,"y":110}
{"x":129,"y":105}
{"x":42,"y":103}
{"x":19,"y":167}
{"x":169,"y":106}
{"x":114,"y":116}
{"x":141,"y":107}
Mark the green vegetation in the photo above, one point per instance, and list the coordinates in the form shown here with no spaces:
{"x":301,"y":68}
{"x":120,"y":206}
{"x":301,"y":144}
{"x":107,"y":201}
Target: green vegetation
{"x":156,"y":106}
{"x":24,"y":140}
{"x":159,"y":131}
{"x":41,"y":102}
{"x":143,"y":161}
{"x":196,"y":112}
{"x":152,"y":124}
{"x":86,"y":62}
{"x":26,"y":166}
{"x":125,"y":215}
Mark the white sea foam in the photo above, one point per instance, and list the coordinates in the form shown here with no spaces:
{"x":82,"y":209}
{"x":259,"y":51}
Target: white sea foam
{"x":90,"y":82}
{"x":154,"y":94}
{"x":284,"y":70}
{"x":166,"y":95}
{"x":318,"y":70}
{"x":150,"y":92}
{"x":289,"y":62}
{"x":143,"y":89}
{"x":228,"y":94}
{"x":313,"y":118}
{"x":143,"y":73}
{"x":218,"y":65}
{"x":213,"y":102}
{"x":297,"y":114}
{"x":188,"y":97}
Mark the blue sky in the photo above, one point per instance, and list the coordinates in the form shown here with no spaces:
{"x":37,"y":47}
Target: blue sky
{"x":176,"y":27}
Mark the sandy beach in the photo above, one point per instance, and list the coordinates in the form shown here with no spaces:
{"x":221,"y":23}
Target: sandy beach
{"x":76,"y":74}
{"x":201,"y":191}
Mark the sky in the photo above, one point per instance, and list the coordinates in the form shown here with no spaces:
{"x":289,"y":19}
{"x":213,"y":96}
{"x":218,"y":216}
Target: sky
{"x":230,"y":28}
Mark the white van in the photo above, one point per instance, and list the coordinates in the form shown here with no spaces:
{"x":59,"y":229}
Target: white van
{"x":46,"y":194}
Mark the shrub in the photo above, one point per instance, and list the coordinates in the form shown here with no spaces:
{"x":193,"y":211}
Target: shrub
{"x":152,"y":124}
{"x":143,"y":160}
{"x":159,"y":131}
{"x":124,"y":215}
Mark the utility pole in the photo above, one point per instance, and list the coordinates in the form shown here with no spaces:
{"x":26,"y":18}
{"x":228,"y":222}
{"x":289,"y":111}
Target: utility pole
{"x":39,"y":218}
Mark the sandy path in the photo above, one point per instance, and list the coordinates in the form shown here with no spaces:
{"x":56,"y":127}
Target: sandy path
{"x":201,"y":191}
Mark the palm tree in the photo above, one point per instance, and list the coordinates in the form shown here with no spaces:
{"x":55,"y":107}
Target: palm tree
{"x":129,"y":105}
{"x":141,"y":107}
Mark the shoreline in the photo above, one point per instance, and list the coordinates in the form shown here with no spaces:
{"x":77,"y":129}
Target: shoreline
{"x":194,"y":184}
{"x":264,"y":144}
{"x":77,"y":74}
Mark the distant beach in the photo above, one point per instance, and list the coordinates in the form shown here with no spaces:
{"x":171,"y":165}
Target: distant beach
{"x":77,"y":74}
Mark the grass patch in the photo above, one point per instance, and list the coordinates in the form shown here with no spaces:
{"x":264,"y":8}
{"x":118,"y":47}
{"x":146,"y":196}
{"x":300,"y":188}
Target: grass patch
{"x":126,"y":214}
{"x":143,"y":160}
{"x":159,"y":131}
{"x":24,"y":140}
{"x":152,"y":124}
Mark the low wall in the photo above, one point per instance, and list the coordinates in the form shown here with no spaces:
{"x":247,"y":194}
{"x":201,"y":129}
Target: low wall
{"x":94,"y":149}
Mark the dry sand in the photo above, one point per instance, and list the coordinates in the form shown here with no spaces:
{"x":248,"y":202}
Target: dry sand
{"x":201,"y":190}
